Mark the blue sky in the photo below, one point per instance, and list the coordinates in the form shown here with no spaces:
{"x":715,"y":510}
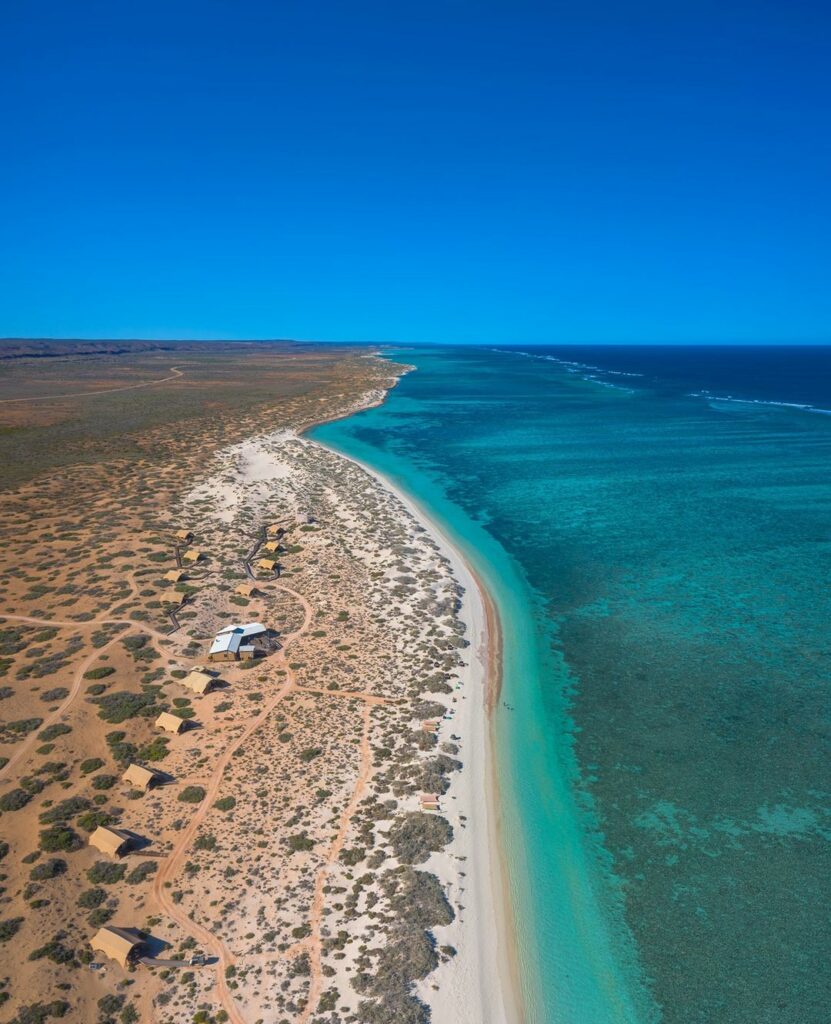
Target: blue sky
{"x":441,"y":172}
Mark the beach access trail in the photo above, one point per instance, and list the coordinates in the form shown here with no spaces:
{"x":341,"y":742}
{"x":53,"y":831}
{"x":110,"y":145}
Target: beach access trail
{"x":169,"y":867}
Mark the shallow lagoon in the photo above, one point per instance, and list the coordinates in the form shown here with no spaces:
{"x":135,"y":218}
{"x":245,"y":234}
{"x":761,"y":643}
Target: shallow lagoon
{"x":660,"y":561}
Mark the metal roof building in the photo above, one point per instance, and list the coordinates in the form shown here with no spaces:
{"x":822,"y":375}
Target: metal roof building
{"x":225,"y":647}
{"x":248,"y":630}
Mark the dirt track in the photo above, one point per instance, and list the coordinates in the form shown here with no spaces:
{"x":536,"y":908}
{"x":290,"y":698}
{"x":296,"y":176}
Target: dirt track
{"x":169,"y":867}
{"x":175,"y":373}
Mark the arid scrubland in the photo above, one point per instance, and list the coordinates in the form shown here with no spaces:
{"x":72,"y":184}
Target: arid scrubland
{"x":287,"y":841}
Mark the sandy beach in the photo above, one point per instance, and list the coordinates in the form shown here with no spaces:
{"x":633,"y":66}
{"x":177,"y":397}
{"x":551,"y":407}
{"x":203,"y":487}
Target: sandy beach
{"x":479,"y":985}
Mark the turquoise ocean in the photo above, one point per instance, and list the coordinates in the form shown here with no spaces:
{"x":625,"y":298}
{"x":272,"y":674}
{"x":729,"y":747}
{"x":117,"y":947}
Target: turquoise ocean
{"x":654,"y":526}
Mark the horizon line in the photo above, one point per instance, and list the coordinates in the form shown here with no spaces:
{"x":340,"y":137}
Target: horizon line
{"x":394,"y":343}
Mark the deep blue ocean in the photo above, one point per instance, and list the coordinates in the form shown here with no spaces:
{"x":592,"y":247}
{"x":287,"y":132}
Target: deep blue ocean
{"x":655,"y":526}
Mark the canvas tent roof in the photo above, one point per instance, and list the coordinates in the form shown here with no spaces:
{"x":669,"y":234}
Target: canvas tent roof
{"x":109,"y":840}
{"x":140,"y":776}
{"x":198,"y":681}
{"x":117,"y":943}
{"x":169,"y":722}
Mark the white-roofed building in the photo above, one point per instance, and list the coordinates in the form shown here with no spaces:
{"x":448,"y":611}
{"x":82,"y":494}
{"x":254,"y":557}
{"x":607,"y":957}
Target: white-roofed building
{"x":248,"y":630}
{"x":228,"y":643}
{"x":225,"y":647}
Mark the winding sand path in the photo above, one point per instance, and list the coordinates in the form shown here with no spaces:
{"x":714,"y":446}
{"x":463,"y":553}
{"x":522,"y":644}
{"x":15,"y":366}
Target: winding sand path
{"x":175,"y":373}
{"x":314,"y":942}
{"x":139,"y":627}
{"x":24,"y":748}
{"x":169,"y":867}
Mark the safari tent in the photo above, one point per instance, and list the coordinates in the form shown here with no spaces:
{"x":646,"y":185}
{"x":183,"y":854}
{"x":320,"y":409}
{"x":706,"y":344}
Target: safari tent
{"x":120,"y":944}
{"x":111,"y":841}
{"x":199,"y":682}
{"x":141,"y":777}
{"x":171,"y":723}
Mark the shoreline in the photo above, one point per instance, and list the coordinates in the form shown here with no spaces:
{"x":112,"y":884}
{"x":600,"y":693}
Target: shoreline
{"x":493,"y":978}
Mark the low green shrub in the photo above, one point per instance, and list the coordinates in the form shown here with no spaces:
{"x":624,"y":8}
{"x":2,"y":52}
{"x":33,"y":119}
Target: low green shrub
{"x":99,"y":673}
{"x":50,"y":868}
{"x":59,"y":839}
{"x":192,"y":795}
{"x":104,"y":872}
